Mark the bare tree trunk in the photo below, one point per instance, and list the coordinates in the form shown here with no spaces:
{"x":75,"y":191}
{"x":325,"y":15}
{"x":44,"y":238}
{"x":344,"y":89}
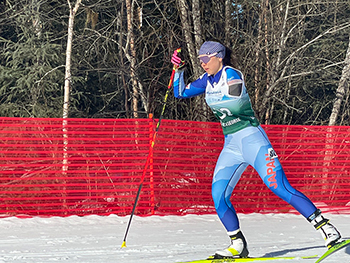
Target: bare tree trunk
{"x":257,"y":59}
{"x":68,"y":76}
{"x":275,"y":67}
{"x":268,"y":67}
{"x":191,"y":46}
{"x":132,"y":58}
{"x":228,"y":22}
{"x":197,"y":24}
{"x":196,"y":15}
{"x":342,"y":89}
{"x":281,"y":43}
{"x":186,"y":25}
{"x":67,"y":82}
{"x":120,"y":29}
{"x":345,"y":114}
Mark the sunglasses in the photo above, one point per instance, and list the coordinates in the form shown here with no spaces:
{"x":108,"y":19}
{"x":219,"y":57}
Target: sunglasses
{"x":206,"y":58}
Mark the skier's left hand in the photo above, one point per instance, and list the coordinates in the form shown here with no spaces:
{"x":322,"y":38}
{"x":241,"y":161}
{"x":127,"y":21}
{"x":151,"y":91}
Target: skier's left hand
{"x":176,"y":60}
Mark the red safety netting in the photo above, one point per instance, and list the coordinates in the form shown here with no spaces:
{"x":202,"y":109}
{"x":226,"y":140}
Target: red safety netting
{"x":94,"y":166}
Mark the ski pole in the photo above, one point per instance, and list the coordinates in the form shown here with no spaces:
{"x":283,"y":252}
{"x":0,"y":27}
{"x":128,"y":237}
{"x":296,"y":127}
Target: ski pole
{"x":149,"y":154}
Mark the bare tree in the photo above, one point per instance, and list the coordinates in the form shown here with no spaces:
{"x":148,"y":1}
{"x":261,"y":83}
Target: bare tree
{"x":132,"y":57}
{"x":68,"y":76}
{"x":257,"y":61}
{"x":187,"y":30}
{"x":343,"y":88}
{"x":286,"y":65}
{"x":72,"y":12}
{"x":197,"y":27}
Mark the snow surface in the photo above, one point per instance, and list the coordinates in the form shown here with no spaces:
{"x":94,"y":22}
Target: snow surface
{"x":158,"y":239}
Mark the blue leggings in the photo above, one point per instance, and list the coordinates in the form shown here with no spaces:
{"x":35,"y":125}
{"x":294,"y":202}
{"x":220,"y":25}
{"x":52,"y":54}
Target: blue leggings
{"x":251,"y":146}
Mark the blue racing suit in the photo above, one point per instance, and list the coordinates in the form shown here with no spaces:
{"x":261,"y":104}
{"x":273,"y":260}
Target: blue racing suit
{"x":246,"y":143}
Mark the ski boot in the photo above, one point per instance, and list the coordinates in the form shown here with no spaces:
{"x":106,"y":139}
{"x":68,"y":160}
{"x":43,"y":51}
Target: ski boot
{"x":329,"y":233}
{"x":238,"y":247}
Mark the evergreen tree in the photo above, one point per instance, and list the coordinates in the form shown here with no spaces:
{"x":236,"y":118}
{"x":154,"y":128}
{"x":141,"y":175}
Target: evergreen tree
{"x":31,"y":68}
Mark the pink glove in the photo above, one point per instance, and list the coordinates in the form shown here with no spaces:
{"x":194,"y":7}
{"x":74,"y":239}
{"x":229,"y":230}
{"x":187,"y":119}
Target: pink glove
{"x":176,"y":60}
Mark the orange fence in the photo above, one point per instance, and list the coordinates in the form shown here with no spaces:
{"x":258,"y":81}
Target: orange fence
{"x":94,"y":166}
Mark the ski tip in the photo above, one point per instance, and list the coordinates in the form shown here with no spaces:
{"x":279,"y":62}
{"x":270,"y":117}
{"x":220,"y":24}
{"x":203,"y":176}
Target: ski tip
{"x":124,"y":244}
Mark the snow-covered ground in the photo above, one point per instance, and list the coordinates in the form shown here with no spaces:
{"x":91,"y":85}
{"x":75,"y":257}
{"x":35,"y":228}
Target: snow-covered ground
{"x":96,"y":239}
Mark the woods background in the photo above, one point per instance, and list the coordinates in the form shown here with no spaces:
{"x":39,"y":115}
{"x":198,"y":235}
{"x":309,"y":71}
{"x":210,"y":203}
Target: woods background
{"x":111,"y":59}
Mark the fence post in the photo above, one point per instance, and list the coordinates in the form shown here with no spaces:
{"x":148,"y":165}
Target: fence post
{"x":151,"y":179}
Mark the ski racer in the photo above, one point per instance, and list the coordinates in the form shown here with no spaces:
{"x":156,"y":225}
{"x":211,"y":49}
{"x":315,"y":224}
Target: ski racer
{"x":246,"y":143}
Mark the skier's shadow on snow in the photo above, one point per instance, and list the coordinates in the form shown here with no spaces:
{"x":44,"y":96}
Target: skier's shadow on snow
{"x":283,"y":252}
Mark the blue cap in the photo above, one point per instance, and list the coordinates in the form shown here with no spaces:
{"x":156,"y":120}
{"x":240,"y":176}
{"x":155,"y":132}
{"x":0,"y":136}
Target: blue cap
{"x":211,"y":47}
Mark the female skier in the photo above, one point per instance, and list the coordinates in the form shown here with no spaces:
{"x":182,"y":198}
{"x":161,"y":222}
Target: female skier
{"x":246,"y":143}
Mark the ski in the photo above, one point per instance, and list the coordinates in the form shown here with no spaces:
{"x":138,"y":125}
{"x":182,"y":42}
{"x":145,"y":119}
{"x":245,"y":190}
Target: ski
{"x":334,"y":249}
{"x":249,"y":259}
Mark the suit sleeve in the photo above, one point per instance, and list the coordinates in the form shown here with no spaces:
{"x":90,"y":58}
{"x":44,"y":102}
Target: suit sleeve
{"x":195,"y":88}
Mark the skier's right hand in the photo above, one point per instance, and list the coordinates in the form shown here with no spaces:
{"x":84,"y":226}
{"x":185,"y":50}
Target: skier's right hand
{"x":176,"y":60}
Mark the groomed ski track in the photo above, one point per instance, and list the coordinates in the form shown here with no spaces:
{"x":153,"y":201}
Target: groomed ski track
{"x":158,"y":239}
